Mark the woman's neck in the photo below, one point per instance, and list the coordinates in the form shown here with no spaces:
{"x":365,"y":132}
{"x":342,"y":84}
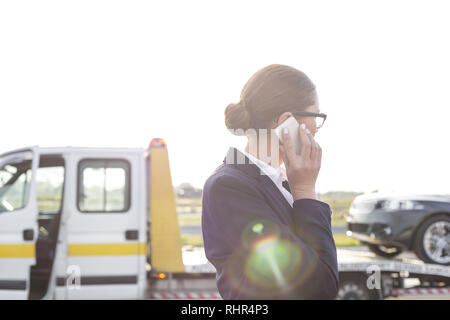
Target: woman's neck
{"x":257,"y":155}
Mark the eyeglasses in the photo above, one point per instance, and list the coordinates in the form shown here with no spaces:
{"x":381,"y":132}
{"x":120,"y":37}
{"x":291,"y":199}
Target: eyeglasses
{"x":319,"y":117}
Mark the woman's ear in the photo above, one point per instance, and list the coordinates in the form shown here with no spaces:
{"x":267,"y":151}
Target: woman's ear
{"x":282,"y":118}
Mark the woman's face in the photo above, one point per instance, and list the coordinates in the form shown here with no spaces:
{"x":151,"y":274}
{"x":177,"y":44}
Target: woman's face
{"x":310,"y":122}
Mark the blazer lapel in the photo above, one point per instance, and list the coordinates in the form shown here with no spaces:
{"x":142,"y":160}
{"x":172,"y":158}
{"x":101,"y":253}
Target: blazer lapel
{"x":241,"y":162}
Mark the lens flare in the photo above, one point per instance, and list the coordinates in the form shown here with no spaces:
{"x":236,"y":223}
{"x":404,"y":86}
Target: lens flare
{"x":257,"y":230}
{"x":268,"y":264}
{"x":273,"y":263}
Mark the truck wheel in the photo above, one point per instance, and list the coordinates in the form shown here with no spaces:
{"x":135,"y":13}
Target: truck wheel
{"x":352,"y":290}
{"x":384,"y":251}
{"x":432,"y":241}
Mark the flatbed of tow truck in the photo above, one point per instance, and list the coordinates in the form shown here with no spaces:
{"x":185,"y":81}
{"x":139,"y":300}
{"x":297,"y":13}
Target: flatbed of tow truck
{"x":402,"y":277}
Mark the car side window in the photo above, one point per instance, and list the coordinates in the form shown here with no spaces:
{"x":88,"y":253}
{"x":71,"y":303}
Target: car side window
{"x":103,"y":186}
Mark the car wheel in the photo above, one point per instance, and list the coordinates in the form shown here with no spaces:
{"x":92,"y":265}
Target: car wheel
{"x":384,"y":251}
{"x":432,"y":241}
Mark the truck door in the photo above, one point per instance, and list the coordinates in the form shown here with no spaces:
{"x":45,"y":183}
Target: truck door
{"x":105,"y":247}
{"x":18,"y":222}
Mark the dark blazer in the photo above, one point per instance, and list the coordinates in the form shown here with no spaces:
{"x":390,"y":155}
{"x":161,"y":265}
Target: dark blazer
{"x":243,"y":212}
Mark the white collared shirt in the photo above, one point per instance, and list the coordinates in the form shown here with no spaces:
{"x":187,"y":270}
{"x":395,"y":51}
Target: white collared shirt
{"x":276,"y":175}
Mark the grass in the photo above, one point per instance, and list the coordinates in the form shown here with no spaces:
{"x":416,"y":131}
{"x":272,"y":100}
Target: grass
{"x":193,"y":219}
{"x":341,"y":240}
{"x":188,"y":201}
{"x":339,"y":203}
{"x":196,"y":240}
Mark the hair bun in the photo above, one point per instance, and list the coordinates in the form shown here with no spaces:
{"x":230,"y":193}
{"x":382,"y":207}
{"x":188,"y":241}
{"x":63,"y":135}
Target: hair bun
{"x":237,"y":116}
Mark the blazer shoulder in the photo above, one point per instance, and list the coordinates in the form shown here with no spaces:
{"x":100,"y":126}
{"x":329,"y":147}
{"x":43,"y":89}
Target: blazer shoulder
{"x":225,"y":176}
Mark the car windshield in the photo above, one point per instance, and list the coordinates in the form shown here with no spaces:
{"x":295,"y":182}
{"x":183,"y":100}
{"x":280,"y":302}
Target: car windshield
{"x":15,"y":177}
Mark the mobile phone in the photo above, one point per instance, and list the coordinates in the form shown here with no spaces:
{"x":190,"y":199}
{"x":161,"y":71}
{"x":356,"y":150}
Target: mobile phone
{"x":292,"y":126}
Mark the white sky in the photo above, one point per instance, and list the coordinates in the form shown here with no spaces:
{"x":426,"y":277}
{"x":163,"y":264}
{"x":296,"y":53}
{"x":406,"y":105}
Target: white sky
{"x":119,"y":73}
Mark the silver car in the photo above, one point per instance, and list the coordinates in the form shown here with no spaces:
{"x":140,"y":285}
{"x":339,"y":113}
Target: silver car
{"x":390,"y":224}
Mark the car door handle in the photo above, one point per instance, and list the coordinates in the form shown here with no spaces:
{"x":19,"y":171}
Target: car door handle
{"x":28,"y":234}
{"x":131,"y":234}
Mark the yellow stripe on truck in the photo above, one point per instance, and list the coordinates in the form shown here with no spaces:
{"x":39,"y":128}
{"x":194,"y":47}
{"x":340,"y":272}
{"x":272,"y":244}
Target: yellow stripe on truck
{"x":107,"y":249}
{"x":22,"y":250}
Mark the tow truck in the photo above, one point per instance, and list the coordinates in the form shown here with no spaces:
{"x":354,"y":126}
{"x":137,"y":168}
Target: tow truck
{"x":101,"y":223}
{"x":88,"y":223}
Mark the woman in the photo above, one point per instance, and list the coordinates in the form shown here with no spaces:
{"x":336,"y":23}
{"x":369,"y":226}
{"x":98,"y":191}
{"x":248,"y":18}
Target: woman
{"x":263,"y":228}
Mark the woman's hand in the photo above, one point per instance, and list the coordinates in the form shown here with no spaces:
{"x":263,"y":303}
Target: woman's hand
{"x":302,"y":170}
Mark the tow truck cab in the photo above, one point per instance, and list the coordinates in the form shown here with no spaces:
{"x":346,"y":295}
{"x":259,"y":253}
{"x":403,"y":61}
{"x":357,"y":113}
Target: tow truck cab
{"x":75,"y":222}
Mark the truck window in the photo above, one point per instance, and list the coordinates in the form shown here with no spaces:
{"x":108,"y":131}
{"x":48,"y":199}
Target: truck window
{"x":103,"y":185}
{"x":49,"y":182}
{"x":15,"y":180}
